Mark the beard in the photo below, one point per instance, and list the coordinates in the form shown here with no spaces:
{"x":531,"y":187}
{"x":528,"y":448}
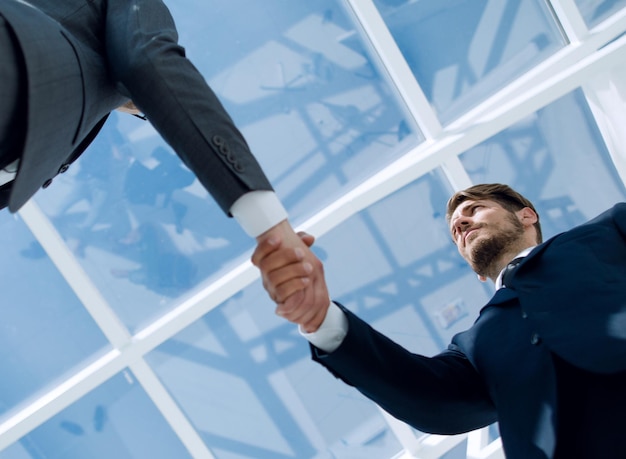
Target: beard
{"x":486,"y":252}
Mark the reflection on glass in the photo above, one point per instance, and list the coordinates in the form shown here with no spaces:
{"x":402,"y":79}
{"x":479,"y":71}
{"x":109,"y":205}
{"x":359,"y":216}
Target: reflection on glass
{"x":45,"y":332}
{"x":244,"y":379}
{"x":410,"y":283}
{"x":307,"y":97}
{"x":463,"y":51}
{"x":596,"y":11}
{"x":302,"y":86}
{"x":244,"y":376}
{"x":569,"y":178}
{"x":116,"y":420}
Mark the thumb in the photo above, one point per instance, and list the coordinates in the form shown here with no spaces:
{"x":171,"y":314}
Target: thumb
{"x":307,"y":238}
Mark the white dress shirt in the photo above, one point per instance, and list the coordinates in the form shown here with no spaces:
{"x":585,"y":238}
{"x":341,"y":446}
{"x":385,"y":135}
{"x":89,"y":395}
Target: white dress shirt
{"x":258,"y":211}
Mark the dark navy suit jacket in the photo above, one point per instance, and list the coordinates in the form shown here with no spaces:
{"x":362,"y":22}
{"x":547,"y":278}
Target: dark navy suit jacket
{"x":84,"y":58}
{"x":564,"y":308}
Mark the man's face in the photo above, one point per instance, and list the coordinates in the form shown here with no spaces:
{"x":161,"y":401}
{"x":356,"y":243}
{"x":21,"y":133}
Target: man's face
{"x":483,"y":231}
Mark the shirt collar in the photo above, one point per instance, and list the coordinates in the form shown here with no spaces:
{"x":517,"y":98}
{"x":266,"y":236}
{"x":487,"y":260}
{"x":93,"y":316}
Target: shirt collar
{"x":522,"y":254}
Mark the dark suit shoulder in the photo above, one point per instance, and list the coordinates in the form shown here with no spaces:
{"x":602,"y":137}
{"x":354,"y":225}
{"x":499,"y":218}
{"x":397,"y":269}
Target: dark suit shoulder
{"x":618,"y":213}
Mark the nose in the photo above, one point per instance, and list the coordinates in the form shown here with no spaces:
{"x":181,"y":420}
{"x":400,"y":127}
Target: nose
{"x":461,"y":223}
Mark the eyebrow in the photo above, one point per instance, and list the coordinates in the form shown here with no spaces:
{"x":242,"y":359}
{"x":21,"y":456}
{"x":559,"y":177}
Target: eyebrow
{"x":468,"y":204}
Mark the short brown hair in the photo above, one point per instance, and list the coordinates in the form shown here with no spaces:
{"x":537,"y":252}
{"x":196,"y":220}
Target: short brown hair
{"x":504,"y":195}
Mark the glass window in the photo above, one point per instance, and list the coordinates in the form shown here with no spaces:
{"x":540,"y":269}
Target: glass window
{"x":245,"y":380}
{"x":45,"y":331}
{"x":596,"y":11}
{"x":244,"y":377}
{"x":115,"y":420}
{"x":410,"y":282}
{"x":463,"y":51}
{"x":314,"y":102}
{"x":308,"y":99}
{"x":569,"y":178}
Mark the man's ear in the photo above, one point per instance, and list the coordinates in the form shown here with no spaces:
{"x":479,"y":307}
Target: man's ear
{"x":527,"y":216}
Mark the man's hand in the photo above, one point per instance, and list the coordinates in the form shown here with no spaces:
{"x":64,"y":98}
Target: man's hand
{"x":129,"y":107}
{"x":293,"y":276}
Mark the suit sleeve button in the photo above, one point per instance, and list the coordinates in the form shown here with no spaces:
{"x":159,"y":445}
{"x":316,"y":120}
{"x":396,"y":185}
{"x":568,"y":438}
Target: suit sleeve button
{"x":47,"y":183}
{"x":535,"y":339}
{"x":218,"y":140}
{"x":64,"y":168}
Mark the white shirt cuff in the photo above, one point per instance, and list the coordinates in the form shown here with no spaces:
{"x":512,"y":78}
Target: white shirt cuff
{"x":8,"y":173}
{"x":258,"y":211}
{"x":331,"y":333}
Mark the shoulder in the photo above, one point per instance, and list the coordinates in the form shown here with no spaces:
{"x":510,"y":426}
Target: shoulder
{"x":618,"y":212}
{"x":610,"y":219}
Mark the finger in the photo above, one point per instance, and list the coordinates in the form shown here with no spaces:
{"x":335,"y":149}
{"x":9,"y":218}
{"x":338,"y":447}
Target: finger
{"x":287,"y":310}
{"x":307,"y":238}
{"x":287,"y":289}
{"x":300,"y":308}
{"x":275,"y":277}
{"x":283,"y":282}
{"x":280,"y":259}
{"x":264,"y":248}
{"x":312,"y":323}
{"x":300,"y":303}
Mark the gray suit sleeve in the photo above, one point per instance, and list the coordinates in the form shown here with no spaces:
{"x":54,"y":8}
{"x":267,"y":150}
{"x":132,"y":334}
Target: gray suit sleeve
{"x":150,"y":67}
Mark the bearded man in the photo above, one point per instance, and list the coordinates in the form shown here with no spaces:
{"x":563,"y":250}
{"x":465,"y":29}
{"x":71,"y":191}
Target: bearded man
{"x":546,"y":358}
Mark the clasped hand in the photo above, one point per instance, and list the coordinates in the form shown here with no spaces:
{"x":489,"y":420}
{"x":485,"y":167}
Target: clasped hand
{"x":293,"y":276}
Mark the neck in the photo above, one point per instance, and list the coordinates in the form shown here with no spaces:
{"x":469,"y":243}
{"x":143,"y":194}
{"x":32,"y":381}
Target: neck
{"x":504,"y":260}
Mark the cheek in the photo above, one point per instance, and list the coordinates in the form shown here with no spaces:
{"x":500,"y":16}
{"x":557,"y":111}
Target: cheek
{"x":457,"y":243}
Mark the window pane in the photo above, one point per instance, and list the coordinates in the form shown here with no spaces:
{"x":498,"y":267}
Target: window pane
{"x":252,"y":371}
{"x":45,"y":332}
{"x":596,"y":11}
{"x":463,"y":51}
{"x":245,"y":380}
{"x":569,"y":178}
{"x":115,"y":420}
{"x":410,"y":282}
{"x":311,"y":103}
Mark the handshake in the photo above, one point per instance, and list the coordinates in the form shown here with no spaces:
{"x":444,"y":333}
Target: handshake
{"x":293,"y":276}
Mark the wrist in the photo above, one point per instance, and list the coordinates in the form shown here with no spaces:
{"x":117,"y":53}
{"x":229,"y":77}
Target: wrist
{"x":258,"y":211}
{"x":277,"y":231}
